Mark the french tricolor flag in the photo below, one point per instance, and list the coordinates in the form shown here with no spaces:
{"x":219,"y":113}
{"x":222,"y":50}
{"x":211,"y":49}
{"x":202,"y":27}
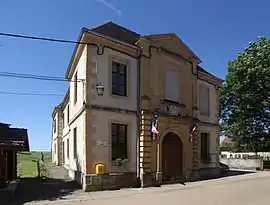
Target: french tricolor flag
{"x":154,"y":127}
{"x":192,"y":133}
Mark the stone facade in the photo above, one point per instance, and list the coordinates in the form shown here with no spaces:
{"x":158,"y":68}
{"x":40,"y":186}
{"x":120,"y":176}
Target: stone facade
{"x":149,"y":59}
{"x":110,"y":181}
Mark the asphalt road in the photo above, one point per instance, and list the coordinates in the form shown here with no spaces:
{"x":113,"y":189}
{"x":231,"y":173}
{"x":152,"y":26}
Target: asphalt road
{"x":248,"y":189}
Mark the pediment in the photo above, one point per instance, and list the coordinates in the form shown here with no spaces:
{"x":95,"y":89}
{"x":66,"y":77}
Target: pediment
{"x":173,"y":43}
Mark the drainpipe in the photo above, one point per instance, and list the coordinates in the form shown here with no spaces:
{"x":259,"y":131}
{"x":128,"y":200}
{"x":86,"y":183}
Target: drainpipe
{"x":138,"y":113}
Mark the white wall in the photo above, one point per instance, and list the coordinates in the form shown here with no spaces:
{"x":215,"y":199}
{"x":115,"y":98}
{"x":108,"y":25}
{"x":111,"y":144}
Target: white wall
{"x":237,"y":155}
{"x":104,"y":77}
{"x":212,"y":118}
{"x":77,"y":164}
{"x":65,"y":137}
{"x":56,"y":138}
{"x":55,"y":134}
{"x":101,"y":120}
{"x":80,"y":69}
{"x":102,"y":154}
{"x":214,"y":141}
{"x":55,"y":151}
{"x":247,"y":164}
{"x":66,"y":126}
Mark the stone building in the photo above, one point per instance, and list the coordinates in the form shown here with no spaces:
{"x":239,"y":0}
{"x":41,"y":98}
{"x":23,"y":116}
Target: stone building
{"x":120,"y":83}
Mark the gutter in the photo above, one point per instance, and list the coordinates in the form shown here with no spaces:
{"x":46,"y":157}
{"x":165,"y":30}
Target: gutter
{"x":108,"y":38}
{"x":138,"y":114}
{"x":86,"y":30}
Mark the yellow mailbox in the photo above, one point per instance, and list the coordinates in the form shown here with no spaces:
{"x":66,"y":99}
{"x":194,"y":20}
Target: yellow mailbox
{"x":100,"y":168}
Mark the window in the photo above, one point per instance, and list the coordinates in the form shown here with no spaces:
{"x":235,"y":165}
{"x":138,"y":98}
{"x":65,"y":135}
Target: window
{"x":172,"y":86}
{"x":68,"y":114}
{"x":75,"y":143}
{"x":55,"y":148}
{"x":119,"y":141}
{"x":63,"y":119}
{"x":204,"y":100}
{"x":54,"y":125}
{"x":119,"y":78}
{"x":75,"y":88}
{"x":63,"y":152}
{"x":205,"y":147}
{"x":67,"y":148}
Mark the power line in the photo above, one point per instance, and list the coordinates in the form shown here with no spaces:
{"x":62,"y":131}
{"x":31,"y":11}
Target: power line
{"x":41,"y":38}
{"x":29,"y":94}
{"x":40,"y":77}
{"x":100,"y":51}
{"x":37,"y":77}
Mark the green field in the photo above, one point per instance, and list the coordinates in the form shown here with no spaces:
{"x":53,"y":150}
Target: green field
{"x":26,"y":166}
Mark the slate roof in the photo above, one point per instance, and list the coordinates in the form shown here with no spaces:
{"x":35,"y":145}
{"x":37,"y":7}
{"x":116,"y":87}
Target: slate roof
{"x":14,"y":138}
{"x":4,"y":124}
{"x":205,"y":71}
{"x":120,"y":33}
{"x":117,"y":32}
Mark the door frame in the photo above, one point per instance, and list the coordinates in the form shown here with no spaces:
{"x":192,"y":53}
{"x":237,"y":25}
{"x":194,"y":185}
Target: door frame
{"x":172,"y":143}
{"x":159,"y":151}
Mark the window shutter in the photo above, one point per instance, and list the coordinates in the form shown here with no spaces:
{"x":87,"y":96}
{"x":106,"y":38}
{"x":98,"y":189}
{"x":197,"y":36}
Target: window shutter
{"x":172,"y":86}
{"x":119,"y":141}
{"x":68,"y":114}
{"x":114,"y":141}
{"x":67,"y":148}
{"x":205,"y":146}
{"x":63,"y":119}
{"x":75,"y":142}
{"x":122,"y":134}
{"x":114,"y":133}
{"x":204,"y":99}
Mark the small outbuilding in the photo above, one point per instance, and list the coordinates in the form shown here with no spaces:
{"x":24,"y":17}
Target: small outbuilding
{"x":12,"y":141}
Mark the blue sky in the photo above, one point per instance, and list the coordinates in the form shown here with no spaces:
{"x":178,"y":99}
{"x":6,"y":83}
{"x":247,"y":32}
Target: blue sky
{"x":215,"y":30}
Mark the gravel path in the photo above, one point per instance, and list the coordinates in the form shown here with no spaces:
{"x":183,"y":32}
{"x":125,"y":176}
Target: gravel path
{"x":57,"y":172}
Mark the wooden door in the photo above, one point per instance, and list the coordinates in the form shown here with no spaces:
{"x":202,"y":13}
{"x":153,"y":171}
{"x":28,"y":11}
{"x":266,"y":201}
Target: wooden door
{"x":2,"y":165}
{"x":11,"y":166}
{"x":172,"y":157}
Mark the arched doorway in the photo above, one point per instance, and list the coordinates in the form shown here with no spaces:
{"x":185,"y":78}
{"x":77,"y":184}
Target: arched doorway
{"x":172,"y":157}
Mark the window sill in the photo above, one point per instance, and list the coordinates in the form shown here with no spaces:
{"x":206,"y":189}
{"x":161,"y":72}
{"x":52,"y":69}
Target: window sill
{"x":206,"y":161}
{"x":119,"y":96}
{"x":204,"y":114}
{"x":170,"y":102}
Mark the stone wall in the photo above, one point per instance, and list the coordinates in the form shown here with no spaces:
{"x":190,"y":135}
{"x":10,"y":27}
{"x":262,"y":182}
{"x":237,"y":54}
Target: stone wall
{"x":250,"y":164}
{"x":110,"y":181}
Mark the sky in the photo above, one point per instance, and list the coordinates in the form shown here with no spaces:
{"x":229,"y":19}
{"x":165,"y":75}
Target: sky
{"x":215,"y":30}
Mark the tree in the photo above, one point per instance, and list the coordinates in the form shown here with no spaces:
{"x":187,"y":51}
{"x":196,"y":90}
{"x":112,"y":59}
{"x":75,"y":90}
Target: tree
{"x":227,"y":146}
{"x":245,"y":98}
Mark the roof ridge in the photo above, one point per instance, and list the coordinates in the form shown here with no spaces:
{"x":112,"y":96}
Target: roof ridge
{"x":126,"y":29}
{"x":110,"y":22}
{"x":100,"y":25}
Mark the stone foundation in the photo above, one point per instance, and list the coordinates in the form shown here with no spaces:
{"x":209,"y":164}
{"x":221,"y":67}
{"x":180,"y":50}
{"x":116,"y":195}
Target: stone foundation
{"x":209,"y":173}
{"x":149,"y":179}
{"x":113,"y":181}
{"x":110,"y":181}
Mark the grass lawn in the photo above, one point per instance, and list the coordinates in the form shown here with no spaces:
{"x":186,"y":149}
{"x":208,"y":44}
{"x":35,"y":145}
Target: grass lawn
{"x":26,"y":166}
